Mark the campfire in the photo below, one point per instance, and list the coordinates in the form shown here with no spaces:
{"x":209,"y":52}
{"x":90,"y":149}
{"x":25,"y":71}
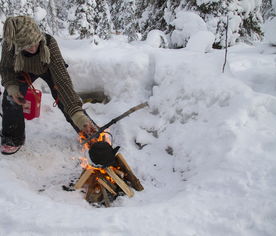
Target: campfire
{"x":103,"y":184}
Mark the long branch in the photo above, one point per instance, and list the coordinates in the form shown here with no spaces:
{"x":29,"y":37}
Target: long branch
{"x":113,"y":121}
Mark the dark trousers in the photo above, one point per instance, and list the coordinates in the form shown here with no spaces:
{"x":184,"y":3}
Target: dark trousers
{"x":13,"y":123}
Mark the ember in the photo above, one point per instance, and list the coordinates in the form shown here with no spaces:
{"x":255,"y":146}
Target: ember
{"x":103,"y":185}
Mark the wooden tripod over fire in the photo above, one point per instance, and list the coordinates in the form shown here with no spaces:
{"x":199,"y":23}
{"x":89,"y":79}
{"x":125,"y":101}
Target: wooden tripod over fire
{"x":105,"y":184}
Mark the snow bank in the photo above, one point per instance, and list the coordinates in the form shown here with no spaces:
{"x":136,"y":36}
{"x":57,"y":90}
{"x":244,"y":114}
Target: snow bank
{"x":109,"y":68}
{"x":204,"y":149}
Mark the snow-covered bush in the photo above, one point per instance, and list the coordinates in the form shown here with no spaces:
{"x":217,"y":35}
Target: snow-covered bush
{"x":244,"y":16}
{"x":157,"y":39}
{"x":186,"y":24}
{"x":201,"y":41}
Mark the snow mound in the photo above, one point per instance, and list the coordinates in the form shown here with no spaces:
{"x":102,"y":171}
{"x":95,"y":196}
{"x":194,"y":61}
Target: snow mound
{"x":201,"y":41}
{"x":186,"y":24}
{"x":157,"y":39}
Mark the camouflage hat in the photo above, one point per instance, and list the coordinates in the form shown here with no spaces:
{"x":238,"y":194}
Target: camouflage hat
{"x":22,"y":32}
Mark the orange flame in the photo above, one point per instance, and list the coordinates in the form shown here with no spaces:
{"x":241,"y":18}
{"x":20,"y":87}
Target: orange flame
{"x":103,"y":137}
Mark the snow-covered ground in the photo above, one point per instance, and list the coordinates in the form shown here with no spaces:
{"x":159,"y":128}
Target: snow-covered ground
{"x":208,"y":162}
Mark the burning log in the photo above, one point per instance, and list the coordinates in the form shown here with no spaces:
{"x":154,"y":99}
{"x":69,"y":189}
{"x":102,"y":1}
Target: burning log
{"x":105,"y":197}
{"x":128,"y":191}
{"x":83,"y":178}
{"x":104,"y":184}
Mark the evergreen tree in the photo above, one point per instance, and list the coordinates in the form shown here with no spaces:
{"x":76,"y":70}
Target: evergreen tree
{"x":245,"y":22}
{"x":40,"y":14}
{"x":52,"y":16}
{"x":152,"y":16}
{"x":103,"y":19}
{"x":5,"y":8}
{"x":125,"y":21}
{"x":84,"y":22}
{"x":22,"y":7}
{"x":267,"y":9}
{"x":64,"y":13}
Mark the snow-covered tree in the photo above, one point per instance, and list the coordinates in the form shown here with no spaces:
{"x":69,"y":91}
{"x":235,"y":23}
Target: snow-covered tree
{"x":245,"y":18}
{"x":86,"y":18}
{"x":63,"y":8}
{"x":103,"y":19}
{"x":5,"y":8}
{"x":52,"y":16}
{"x":125,"y":20}
{"x":22,"y":7}
{"x":82,"y":21}
{"x":151,"y":16}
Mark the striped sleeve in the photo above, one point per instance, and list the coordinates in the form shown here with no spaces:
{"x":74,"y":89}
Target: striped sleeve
{"x":66,"y":94}
{"x":8,"y":75}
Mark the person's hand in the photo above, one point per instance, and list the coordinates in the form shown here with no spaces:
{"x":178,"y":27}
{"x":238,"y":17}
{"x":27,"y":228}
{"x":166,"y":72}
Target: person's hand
{"x":84,"y":123}
{"x":89,"y":128}
{"x":13,"y":91}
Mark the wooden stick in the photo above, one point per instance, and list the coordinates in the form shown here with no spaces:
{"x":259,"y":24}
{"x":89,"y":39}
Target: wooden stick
{"x":114,"y":186}
{"x":113,"y":121}
{"x":120,"y":173}
{"x":90,"y":187}
{"x":83,"y":179}
{"x":96,"y":195}
{"x":128,"y":191}
{"x":105,"y":197}
{"x":135,"y":182}
{"x":105,"y":185}
{"x":226,"y":44}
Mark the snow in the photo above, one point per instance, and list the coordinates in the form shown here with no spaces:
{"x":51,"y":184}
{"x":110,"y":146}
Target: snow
{"x":273,"y":4}
{"x":186,"y":24}
{"x":270,"y":31}
{"x":157,"y":39}
{"x":201,"y":41}
{"x":208,"y":165}
{"x":39,"y":14}
{"x":201,"y":2}
{"x":249,"y":6}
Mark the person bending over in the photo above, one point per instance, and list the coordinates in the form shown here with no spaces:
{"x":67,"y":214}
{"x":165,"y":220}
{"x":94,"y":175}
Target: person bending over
{"x":26,"y":49}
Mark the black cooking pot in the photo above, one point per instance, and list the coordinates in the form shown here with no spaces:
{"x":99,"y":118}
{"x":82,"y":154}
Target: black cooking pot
{"x":102,"y":154}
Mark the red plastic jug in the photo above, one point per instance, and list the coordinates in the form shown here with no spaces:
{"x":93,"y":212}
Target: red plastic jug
{"x":31,"y":108}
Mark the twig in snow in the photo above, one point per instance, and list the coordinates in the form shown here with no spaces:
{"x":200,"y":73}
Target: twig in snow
{"x":226,"y":44}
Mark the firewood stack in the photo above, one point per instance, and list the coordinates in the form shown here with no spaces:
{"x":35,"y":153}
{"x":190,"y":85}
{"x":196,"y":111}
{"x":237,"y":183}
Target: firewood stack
{"x":103,"y":185}
{"x":114,"y":177}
